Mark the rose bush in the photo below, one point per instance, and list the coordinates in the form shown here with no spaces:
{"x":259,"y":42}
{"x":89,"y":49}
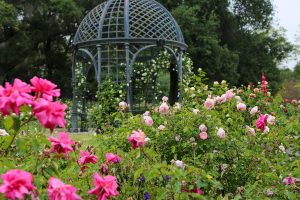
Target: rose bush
{"x":211,"y":146}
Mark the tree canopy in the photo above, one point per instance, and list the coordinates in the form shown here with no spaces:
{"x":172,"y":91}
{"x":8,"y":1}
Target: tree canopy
{"x":231,"y":40}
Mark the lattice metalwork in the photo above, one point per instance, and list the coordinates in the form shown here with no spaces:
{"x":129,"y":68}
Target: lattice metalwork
{"x":116,"y":34}
{"x":148,"y":19}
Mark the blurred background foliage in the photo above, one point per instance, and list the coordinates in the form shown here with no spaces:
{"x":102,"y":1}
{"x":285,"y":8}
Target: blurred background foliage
{"x":229,"y":39}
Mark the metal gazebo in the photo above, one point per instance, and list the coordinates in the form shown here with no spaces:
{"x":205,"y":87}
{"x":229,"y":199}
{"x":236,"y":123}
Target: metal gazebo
{"x":114,"y":35}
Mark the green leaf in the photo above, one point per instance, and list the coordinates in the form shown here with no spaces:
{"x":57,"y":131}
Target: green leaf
{"x":8,"y":122}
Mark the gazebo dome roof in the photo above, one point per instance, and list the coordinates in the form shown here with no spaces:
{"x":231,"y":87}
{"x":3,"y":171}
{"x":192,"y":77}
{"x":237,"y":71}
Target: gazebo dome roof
{"x":129,"y":21}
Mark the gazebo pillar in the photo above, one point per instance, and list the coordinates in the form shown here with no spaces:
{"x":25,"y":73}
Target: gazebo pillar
{"x":74,"y":115}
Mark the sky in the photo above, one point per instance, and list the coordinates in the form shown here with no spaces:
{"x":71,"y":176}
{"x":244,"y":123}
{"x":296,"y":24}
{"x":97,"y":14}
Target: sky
{"x":287,"y":15}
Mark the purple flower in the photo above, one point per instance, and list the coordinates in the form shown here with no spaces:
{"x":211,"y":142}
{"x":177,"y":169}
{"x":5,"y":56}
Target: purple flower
{"x":168,"y":178}
{"x":142,"y":179}
{"x":147,"y":196}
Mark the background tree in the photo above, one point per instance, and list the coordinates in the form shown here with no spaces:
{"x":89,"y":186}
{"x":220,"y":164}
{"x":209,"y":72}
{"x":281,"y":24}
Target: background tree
{"x":231,"y":40}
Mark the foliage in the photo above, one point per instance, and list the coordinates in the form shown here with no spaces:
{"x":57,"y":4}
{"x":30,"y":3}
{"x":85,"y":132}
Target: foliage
{"x":239,"y":166}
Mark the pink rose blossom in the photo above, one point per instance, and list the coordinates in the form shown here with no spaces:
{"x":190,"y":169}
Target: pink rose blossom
{"x":12,"y":97}
{"x":196,"y":111}
{"x":256,"y":90}
{"x":261,"y":122}
{"x":271,"y":120}
{"x":137,"y":139}
{"x":147,"y":113}
{"x":123,"y":105}
{"x":50,"y":114}
{"x":105,"y":187}
{"x":86,"y":157}
{"x":250,"y":131}
{"x":16,"y":184}
{"x":266,"y":130}
{"x":203,"y":135}
{"x":57,"y":190}
{"x":163,"y":108}
{"x":62,"y":145}
{"x":241,"y":107}
{"x":179,"y":163}
{"x":165,"y":99}
{"x":294,"y":101}
{"x":202,"y":128}
{"x":161,"y":127}
{"x":229,"y":95}
{"x":221,"y":133}
{"x":112,"y":158}
{"x":148,"y":120}
{"x":254,"y":110}
{"x":290,"y":180}
{"x":44,"y":88}
{"x":209,"y":103}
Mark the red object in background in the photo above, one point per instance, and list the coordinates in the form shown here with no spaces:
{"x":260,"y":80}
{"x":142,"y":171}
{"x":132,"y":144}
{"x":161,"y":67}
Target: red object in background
{"x":264,"y":83}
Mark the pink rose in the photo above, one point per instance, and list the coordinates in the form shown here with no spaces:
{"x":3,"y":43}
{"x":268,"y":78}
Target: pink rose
{"x":221,"y":133}
{"x":57,"y":190}
{"x":271,"y":120}
{"x":241,"y":107}
{"x":163,"y":108}
{"x":165,"y":99}
{"x":229,"y":95}
{"x":86,"y":157}
{"x":254,"y":110}
{"x":16,"y":183}
{"x":62,"y":145}
{"x":203,"y":135}
{"x":161,"y":127}
{"x":123,"y":105}
{"x":147,"y":113}
{"x":50,"y":114}
{"x":112,"y":158}
{"x":256,"y":90}
{"x":209,"y":103}
{"x":202,"y":128}
{"x":261,"y":122}
{"x":44,"y":88}
{"x":137,"y":139}
{"x":290,"y":180}
{"x":12,"y":97}
{"x":105,"y":187}
{"x":148,"y":120}
{"x":196,"y":111}
{"x":250,"y":131}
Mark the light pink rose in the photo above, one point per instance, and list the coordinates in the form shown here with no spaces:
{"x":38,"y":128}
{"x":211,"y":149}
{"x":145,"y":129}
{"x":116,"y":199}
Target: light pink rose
{"x":57,"y":190}
{"x":254,"y":110}
{"x":241,"y":107}
{"x":147,"y":113}
{"x":123,"y":105}
{"x":16,"y":183}
{"x":229,"y":95}
{"x":196,"y":111}
{"x":148,"y":120}
{"x":209,"y":103}
{"x":165,"y":99}
{"x":250,"y":131}
{"x":164,"y":108}
{"x":221,"y":133}
{"x":271,"y":120}
{"x":267,"y":130}
{"x":256,"y":90}
{"x":202,"y":128}
{"x":203,"y":135}
{"x":161,"y":127}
